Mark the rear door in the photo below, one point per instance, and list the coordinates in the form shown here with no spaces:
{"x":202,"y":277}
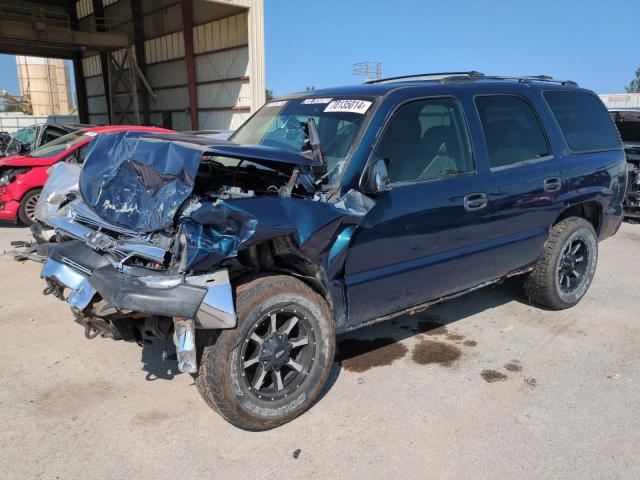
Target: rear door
{"x":421,"y":239}
{"x":524,"y":179}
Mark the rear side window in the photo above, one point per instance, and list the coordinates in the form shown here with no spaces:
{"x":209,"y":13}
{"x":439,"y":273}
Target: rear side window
{"x":511,"y":129}
{"x":584,"y":121}
{"x":426,"y":139}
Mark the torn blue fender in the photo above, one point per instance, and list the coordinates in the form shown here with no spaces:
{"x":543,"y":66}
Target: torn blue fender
{"x":216,"y":230}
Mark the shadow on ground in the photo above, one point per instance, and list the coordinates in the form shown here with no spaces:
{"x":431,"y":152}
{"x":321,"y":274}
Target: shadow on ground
{"x":379,"y":344}
{"x":159,"y":360}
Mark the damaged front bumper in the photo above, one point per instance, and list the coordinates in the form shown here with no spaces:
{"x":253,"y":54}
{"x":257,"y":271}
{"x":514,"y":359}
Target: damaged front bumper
{"x":87,"y":276}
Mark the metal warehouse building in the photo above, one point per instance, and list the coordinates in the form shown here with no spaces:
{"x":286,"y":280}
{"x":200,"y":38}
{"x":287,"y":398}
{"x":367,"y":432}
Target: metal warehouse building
{"x":182,"y":64}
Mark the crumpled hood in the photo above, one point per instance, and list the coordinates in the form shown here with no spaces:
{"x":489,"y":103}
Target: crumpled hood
{"x":136,"y":183}
{"x":139,"y":181}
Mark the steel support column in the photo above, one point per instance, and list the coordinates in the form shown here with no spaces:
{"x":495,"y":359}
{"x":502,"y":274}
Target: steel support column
{"x":81,"y":88}
{"x":138,"y":36}
{"x":98,"y":12}
{"x":78,"y":73}
{"x":187,"y":25}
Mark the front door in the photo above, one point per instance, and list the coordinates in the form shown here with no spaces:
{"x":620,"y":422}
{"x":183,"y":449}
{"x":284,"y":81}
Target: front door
{"x":424,"y":236}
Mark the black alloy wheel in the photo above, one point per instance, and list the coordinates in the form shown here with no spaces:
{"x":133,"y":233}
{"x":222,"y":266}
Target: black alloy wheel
{"x":278,"y":354}
{"x":573,"y":264}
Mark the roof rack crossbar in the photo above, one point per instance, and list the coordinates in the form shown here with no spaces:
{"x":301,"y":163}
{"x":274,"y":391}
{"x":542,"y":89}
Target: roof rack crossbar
{"x":472,"y":75}
{"x":425,"y":76}
{"x":524,"y":78}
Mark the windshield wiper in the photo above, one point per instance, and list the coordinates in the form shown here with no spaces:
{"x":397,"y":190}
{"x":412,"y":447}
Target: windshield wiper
{"x":311,"y":147}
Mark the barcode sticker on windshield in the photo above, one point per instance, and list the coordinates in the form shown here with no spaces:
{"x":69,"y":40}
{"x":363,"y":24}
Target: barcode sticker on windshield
{"x":90,"y":134}
{"x":279,"y":103}
{"x":352,"y":106}
{"x":316,"y":101}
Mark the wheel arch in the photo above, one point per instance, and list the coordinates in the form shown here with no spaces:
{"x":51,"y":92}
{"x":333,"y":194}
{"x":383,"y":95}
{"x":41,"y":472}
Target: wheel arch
{"x":590,"y":210}
{"x":282,"y":256}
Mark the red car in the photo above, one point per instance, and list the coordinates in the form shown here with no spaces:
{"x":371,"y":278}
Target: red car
{"x":23,"y":176}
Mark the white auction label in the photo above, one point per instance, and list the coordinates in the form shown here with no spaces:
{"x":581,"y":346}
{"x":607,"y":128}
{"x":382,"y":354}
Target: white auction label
{"x":316,"y":101}
{"x":352,"y":106}
{"x":279,"y":103}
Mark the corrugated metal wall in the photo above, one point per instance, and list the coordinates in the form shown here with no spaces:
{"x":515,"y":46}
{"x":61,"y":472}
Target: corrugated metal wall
{"x":96,"y":99}
{"x":229,"y":61}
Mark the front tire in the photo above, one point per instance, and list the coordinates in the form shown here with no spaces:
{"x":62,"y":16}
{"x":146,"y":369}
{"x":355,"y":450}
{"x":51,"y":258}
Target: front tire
{"x":27,"y":209}
{"x":564,"y":272}
{"x":272,"y":366}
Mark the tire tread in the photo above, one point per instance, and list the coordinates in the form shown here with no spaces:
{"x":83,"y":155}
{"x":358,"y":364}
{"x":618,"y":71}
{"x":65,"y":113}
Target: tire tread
{"x":222,"y":400}
{"x":539,"y":286}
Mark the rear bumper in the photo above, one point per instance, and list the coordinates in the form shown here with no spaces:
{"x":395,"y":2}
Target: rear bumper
{"x":612,"y":221}
{"x":207,"y":299}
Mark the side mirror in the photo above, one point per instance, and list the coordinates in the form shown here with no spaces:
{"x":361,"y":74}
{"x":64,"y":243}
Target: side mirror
{"x":376,"y":178}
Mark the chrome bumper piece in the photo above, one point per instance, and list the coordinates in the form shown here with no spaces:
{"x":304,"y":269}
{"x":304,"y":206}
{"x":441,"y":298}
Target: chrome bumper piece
{"x":216,"y":311}
{"x":184,"y":337}
{"x":68,"y":275}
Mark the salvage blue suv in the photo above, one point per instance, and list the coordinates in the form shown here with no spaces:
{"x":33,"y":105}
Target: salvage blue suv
{"x":327,"y":211}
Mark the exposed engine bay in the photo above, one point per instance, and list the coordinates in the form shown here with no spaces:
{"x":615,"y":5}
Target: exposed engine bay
{"x":628,"y":124}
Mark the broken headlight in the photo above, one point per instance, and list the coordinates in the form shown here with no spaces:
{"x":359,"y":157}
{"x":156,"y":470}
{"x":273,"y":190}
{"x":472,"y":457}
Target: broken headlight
{"x":9,"y":175}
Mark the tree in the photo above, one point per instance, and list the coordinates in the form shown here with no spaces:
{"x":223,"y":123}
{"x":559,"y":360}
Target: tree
{"x":634,"y":85}
{"x":309,"y":88}
{"x":11,"y":103}
{"x":268,"y":94}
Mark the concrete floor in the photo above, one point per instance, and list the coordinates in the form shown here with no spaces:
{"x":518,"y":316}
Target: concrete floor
{"x":504,"y":390}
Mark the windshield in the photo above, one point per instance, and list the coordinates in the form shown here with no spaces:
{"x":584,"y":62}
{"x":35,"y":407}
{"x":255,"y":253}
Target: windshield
{"x":62,"y":144}
{"x":26,"y":136}
{"x":281,"y":124}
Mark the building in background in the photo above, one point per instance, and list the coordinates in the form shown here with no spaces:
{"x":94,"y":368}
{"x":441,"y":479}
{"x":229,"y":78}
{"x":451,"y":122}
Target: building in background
{"x":203,"y":61}
{"x":44,"y":82}
{"x":181,"y":64}
{"x":616,"y":101}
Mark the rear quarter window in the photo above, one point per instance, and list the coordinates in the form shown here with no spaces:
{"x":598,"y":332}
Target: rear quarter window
{"x":584,"y":121}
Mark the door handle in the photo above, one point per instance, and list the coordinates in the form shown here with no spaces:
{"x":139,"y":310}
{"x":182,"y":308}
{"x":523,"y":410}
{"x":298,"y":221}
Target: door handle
{"x":475,"y":201}
{"x":552,"y":184}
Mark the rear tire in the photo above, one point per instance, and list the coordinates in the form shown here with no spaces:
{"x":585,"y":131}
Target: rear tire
{"x":27,"y":209}
{"x":285,"y":330}
{"x":564,"y":272}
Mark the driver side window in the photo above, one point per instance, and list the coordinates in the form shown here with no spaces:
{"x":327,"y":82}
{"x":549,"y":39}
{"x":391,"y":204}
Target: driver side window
{"x":426,"y":139}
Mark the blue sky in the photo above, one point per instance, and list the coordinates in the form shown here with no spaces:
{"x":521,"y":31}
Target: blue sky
{"x":596,"y":43}
{"x":593,"y":42}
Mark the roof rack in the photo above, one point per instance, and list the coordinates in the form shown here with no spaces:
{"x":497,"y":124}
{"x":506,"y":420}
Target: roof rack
{"x":453,"y":77}
{"x":523,"y":79}
{"x":427,"y":76}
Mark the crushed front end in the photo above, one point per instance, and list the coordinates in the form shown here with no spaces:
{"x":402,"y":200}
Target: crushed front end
{"x":123,"y":285}
{"x":148,"y":240}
